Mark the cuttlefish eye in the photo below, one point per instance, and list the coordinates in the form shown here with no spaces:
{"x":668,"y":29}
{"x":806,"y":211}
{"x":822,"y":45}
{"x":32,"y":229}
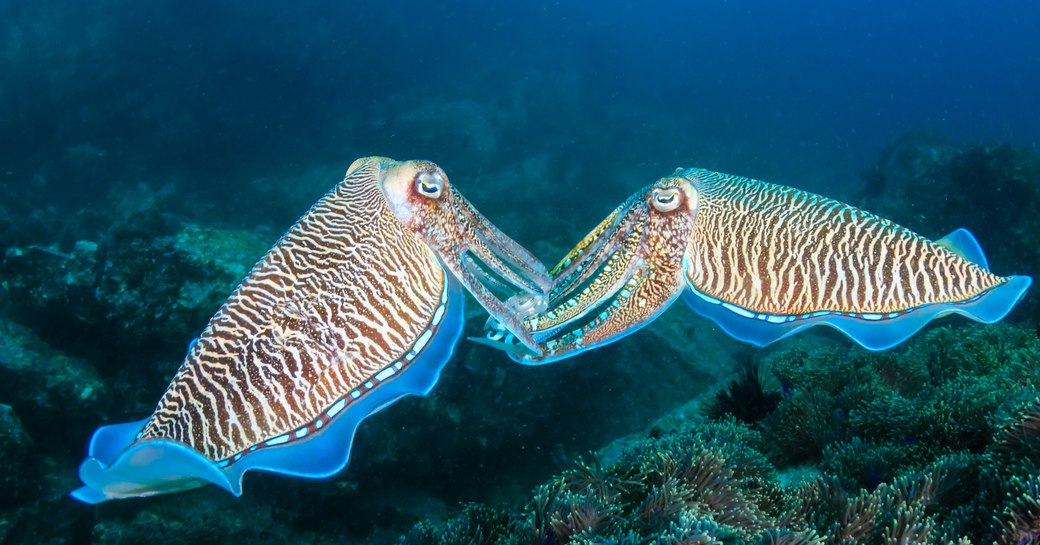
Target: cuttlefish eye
{"x":665,"y":199}
{"x":429,"y":184}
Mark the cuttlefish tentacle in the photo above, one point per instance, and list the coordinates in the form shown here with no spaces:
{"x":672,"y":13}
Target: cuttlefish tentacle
{"x":584,"y":260}
{"x":532,"y":275}
{"x":764,"y":261}
{"x":642,"y":277}
{"x":605,"y":249}
{"x":358,"y":304}
{"x":469,"y":246}
{"x":604,"y":279}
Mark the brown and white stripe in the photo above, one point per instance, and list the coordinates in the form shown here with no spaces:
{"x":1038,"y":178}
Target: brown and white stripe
{"x":776,"y":250}
{"x":346,"y":292}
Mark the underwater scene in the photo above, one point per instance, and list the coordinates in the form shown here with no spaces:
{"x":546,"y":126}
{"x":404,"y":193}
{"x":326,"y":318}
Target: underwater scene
{"x":519,"y":273}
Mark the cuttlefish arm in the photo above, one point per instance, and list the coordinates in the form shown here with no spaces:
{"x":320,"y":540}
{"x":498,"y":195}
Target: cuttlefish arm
{"x":584,"y":260}
{"x":358,"y":304}
{"x":634,"y":274}
{"x":582,"y":263}
{"x":480,"y":256}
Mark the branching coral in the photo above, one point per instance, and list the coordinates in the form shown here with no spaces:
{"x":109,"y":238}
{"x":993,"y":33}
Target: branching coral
{"x":1022,"y":432}
{"x":944,"y":435}
{"x":905,"y":510}
{"x":1020,"y":521}
{"x":701,"y":480}
{"x":787,"y":537}
{"x":803,"y":426}
{"x":936,"y":442}
{"x":476,"y":525}
{"x":707,"y":485}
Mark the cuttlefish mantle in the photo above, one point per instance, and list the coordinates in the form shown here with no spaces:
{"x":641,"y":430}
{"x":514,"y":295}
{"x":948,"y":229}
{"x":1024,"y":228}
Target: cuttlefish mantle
{"x":359,"y":304}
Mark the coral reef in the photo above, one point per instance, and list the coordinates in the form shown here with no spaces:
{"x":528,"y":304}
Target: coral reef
{"x":153,"y":150}
{"x":152,"y":281}
{"x":935,"y":442}
{"x":706,"y":486}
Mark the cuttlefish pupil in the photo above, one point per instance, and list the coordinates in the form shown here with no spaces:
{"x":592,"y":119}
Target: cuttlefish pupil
{"x":665,"y":199}
{"x":429,"y":184}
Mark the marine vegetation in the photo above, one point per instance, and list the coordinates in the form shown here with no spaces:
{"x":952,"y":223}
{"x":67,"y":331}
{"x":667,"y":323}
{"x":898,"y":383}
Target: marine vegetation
{"x":934,"y":442}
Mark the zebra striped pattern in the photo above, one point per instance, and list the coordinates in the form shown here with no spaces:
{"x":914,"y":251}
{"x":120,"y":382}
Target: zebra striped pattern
{"x":344,"y":296}
{"x":776,"y":250}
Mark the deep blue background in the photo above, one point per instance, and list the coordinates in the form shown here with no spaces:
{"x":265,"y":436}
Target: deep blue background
{"x":203,"y":97}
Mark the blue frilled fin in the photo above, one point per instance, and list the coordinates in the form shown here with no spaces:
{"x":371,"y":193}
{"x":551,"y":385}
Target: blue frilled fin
{"x":325,"y":453}
{"x":963,"y":243}
{"x":872,"y":331}
{"x":117,"y":467}
{"x":737,"y":322}
{"x":145,"y":469}
{"x":995,"y":304}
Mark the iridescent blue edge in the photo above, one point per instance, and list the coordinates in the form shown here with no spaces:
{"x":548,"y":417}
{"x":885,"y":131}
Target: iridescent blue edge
{"x":873,"y":332}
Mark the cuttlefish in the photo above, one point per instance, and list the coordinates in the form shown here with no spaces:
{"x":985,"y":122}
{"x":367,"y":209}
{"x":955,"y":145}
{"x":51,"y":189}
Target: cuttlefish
{"x":763,"y":261}
{"x":358,"y":304}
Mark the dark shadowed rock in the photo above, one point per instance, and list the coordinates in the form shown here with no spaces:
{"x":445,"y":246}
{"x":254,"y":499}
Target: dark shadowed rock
{"x":142,"y":293}
{"x":42,"y":382}
{"x":15,"y":448}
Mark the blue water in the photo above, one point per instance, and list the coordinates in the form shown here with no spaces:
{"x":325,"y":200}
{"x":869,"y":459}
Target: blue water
{"x":240,"y":114}
{"x":805,"y":93}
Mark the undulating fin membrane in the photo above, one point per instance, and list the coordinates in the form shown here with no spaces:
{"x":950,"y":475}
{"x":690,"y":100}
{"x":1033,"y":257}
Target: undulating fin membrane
{"x":872,"y":331}
{"x":158,"y":466}
{"x":963,"y":243}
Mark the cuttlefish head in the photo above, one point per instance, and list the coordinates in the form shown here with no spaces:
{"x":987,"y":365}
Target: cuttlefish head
{"x":622,"y":275}
{"x":497,"y":271}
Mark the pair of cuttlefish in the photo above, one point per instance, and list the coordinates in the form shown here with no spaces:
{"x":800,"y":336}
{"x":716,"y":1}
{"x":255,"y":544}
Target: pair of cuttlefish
{"x":361,"y":303}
